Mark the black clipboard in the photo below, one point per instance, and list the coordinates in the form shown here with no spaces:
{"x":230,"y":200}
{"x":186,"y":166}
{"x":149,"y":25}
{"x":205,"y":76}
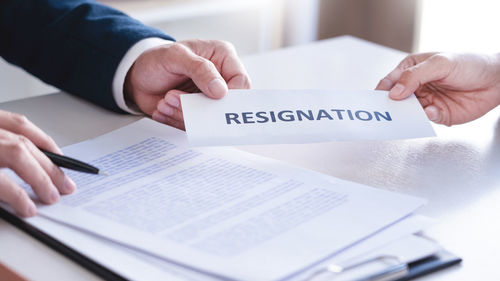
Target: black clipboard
{"x":89,"y":264}
{"x":436,"y":262}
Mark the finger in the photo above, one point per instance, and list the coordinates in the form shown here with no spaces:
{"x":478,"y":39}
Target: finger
{"x":63,"y":183}
{"x":433,"y":113}
{"x":158,"y":117}
{"x":433,"y":69}
{"x":385,"y":84}
{"x":16,"y":156}
{"x":202,"y":71}
{"x":189,"y":87}
{"x":425,"y":100}
{"x":173,"y":98}
{"x":20,"y":125}
{"x":232,"y":69}
{"x":16,"y":197}
{"x":239,"y":81}
{"x":392,"y":78}
{"x":168,"y":110}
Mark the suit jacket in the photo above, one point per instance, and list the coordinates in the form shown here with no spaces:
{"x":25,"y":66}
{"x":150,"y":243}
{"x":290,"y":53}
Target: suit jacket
{"x":75,"y":45}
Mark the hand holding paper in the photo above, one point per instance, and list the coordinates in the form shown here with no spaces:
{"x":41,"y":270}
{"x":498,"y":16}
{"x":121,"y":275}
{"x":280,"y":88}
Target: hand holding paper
{"x":301,"y":116}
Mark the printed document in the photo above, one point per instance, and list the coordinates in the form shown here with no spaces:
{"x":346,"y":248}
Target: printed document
{"x":219,"y":211}
{"x":301,"y":116}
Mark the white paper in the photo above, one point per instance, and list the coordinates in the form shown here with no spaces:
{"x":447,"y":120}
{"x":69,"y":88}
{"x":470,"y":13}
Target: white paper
{"x":218,"y":210}
{"x":301,"y":116}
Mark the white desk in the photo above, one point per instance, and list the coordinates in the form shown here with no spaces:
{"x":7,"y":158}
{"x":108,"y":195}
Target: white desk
{"x":458,"y":171}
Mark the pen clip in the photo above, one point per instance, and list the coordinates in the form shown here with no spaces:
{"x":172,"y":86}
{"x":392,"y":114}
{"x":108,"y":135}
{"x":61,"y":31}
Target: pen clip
{"x":395,"y":270}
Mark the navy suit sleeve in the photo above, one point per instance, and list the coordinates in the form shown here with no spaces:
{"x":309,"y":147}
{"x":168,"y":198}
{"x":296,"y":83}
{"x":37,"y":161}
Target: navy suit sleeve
{"x":75,"y":45}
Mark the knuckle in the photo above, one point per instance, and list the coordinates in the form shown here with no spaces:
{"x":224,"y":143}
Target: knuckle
{"x":22,"y":139}
{"x":411,"y":57}
{"x":16,"y":149}
{"x":201,"y":65}
{"x":407,"y":75}
{"x":18,"y":119}
{"x":177,"y":48}
{"x":441,"y":61}
{"x":226,"y":45}
{"x":406,"y":62}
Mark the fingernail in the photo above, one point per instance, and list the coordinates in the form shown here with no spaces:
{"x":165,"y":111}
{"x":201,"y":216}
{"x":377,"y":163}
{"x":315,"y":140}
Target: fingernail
{"x":54,"y":195}
{"x":69,"y":184}
{"x":217,"y":88}
{"x":397,"y":90}
{"x":239,"y":82}
{"x":31,"y":209}
{"x":172,"y":100}
{"x":165,"y":109}
{"x":432,"y":113}
{"x":385,"y":83}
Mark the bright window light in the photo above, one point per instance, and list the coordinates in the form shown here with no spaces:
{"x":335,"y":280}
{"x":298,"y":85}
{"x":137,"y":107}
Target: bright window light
{"x":460,"y":26}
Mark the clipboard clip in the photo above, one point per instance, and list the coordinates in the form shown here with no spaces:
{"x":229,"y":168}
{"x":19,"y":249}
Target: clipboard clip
{"x":394,"y":269}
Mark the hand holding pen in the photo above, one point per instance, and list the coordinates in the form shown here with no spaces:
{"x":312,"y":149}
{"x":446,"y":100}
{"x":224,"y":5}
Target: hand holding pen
{"x":19,"y":142}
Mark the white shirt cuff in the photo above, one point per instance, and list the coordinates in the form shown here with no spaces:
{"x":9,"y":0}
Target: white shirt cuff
{"x":121,"y":72}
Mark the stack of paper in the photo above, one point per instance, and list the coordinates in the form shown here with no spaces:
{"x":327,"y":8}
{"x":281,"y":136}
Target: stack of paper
{"x":219,"y":213}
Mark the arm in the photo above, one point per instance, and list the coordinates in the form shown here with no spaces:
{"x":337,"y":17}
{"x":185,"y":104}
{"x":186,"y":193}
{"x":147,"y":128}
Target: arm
{"x":75,"y":45}
{"x":102,"y":55}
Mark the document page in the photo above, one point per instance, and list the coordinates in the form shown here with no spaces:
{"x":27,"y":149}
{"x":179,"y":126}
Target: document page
{"x":301,"y":116}
{"x":219,"y":211}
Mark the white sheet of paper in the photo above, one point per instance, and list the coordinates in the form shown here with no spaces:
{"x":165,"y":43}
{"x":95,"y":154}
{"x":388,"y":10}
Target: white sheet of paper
{"x":218,"y":210}
{"x":301,"y":116}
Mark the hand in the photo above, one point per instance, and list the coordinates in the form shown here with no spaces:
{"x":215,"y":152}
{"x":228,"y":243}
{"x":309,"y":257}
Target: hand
{"x":452,"y":88}
{"x":19,"y":140}
{"x":160,"y":75}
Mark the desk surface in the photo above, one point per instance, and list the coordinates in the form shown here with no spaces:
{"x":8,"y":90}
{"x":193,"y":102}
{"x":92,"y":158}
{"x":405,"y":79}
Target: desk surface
{"x":458,"y":171}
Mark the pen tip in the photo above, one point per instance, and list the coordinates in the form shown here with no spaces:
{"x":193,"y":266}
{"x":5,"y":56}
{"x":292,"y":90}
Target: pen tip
{"x":103,"y":173}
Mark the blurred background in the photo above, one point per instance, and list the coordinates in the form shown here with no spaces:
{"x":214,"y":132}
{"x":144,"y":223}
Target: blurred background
{"x":255,"y":26}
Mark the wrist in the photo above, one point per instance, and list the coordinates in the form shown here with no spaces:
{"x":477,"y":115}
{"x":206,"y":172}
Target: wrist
{"x":128,"y":93}
{"x":122,"y":87}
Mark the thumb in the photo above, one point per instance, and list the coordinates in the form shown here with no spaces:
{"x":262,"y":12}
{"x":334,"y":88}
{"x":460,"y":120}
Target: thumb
{"x":435,"y":68}
{"x":202,"y":71}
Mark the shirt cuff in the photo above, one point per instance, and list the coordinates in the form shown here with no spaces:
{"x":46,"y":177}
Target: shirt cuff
{"x":121,"y":72}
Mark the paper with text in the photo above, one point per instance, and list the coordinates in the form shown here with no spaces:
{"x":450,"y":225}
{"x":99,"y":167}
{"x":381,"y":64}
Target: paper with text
{"x":218,"y":210}
{"x":301,"y":116}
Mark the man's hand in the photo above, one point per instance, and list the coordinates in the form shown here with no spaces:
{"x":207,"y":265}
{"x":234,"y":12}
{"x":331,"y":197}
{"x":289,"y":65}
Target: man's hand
{"x":19,"y":140}
{"x":452,"y":88}
{"x":161,"y":74}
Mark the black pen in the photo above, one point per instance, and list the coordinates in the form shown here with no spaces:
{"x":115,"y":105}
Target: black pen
{"x":72,"y":164}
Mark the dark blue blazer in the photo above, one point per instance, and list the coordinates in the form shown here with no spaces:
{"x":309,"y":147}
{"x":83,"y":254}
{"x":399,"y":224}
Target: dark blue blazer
{"x":75,"y":45}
